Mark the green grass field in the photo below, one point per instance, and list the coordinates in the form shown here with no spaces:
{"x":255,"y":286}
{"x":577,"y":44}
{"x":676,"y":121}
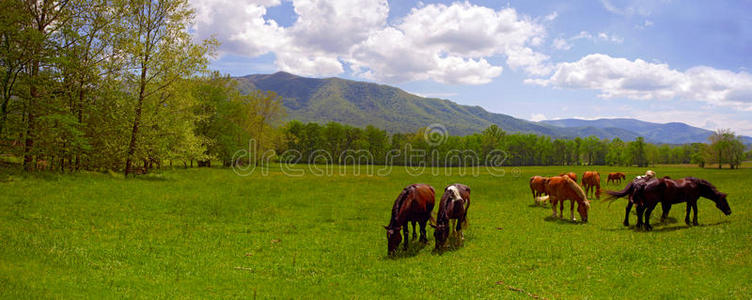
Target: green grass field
{"x":210,"y":233}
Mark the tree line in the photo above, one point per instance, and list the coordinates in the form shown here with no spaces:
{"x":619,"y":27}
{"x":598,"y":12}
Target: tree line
{"x":117,"y":85}
{"x":517,"y":149}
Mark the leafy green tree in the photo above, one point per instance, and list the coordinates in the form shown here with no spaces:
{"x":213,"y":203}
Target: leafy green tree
{"x":638,"y":152}
{"x":160,"y":51}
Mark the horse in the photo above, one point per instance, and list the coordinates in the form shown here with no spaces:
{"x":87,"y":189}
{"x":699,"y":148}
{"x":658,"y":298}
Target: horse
{"x":591,"y":180}
{"x":453,"y":205}
{"x":414,"y":203}
{"x":538,"y":187}
{"x":633,"y":187}
{"x":615,"y":177}
{"x":571,"y":175}
{"x":669,"y":192}
{"x":560,"y":188}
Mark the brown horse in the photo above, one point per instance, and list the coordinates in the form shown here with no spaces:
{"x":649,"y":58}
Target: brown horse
{"x":615,"y":177}
{"x":454,"y":205}
{"x":591,"y":180}
{"x":571,"y":175}
{"x":669,"y":192}
{"x":415,"y":203}
{"x":538,"y":187}
{"x":560,"y":188}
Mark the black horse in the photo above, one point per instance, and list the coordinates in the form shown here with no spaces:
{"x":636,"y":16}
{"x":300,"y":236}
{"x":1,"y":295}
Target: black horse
{"x":668,"y":191}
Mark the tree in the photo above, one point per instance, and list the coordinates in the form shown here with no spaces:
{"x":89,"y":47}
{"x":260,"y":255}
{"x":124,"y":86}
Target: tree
{"x":637,"y":152}
{"x":160,"y":50}
{"x":726,"y":147}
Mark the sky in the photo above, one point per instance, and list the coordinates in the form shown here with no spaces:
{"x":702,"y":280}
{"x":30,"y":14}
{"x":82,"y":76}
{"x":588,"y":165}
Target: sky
{"x":653,"y":60}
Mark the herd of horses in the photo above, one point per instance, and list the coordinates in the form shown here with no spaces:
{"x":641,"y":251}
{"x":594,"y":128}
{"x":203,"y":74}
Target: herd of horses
{"x":416,"y":201}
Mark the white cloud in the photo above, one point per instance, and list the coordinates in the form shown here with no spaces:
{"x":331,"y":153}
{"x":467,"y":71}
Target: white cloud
{"x":444,"y":43}
{"x":638,"y":79}
{"x":537,"y":117}
{"x":613,"y":38}
{"x":561,"y":44}
{"x":633,"y":7}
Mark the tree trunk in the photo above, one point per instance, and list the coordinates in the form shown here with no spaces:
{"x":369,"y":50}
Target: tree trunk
{"x":137,"y":119}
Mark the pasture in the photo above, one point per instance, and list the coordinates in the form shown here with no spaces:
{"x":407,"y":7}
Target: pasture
{"x":210,"y":233}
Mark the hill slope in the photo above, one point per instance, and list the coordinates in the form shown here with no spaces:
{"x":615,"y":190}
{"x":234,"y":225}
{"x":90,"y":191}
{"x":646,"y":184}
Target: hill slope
{"x":361,"y":103}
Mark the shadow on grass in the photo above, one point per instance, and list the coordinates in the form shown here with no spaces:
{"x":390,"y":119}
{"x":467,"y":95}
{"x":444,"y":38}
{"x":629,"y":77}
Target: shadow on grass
{"x":541,"y":206}
{"x":562,"y":220}
{"x":413,"y":248}
{"x":452,"y":245}
{"x":659,"y":227}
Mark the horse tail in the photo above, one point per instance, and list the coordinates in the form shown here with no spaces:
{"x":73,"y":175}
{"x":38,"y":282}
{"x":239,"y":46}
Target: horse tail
{"x":613,"y":195}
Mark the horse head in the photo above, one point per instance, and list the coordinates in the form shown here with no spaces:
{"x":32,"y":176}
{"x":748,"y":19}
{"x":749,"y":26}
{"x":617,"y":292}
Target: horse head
{"x":583,"y":209}
{"x":441,"y":233}
{"x":722,"y":204}
{"x":394,"y":238}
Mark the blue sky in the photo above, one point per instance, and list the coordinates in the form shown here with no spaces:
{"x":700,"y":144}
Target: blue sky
{"x":659,"y":61}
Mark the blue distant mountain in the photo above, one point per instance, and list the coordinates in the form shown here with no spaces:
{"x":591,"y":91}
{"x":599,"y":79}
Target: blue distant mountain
{"x":359,"y":104}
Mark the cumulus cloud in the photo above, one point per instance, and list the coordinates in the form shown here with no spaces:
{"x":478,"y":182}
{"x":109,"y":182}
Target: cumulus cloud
{"x":638,"y":79}
{"x":444,"y":43}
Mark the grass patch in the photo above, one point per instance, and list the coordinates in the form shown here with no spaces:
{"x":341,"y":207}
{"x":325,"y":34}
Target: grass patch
{"x":210,"y":233}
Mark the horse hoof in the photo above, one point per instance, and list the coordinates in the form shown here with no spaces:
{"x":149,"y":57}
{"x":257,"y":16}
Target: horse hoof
{"x":626,"y":223}
{"x":687,"y":222}
{"x":648,"y":227}
{"x":695,"y":223}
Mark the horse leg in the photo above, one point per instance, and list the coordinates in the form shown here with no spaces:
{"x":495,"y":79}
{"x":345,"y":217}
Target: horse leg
{"x":626,"y":216}
{"x":648,"y":211}
{"x":415,"y":233}
{"x":686,"y":217}
{"x":571,"y":209}
{"x":666,"y":207}
{"x":406,"y":232}
{"x":640,"y":211}
{"x":423,"y":238}
{"x":553,"y":204}
{"x":459,"y":227}
{"x":694,"y":219}
{"x":561,"y":208}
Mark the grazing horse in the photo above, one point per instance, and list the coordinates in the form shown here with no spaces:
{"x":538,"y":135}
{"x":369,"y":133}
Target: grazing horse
{"x":669,"y":191}
{"x":615,"y":177}
{"x":454,"y":205}
{"x":560,"y":188}
{"x":571,"y":175}
{"x":591,"y":180}
{"x":538,"y":187}
{"x":414,"y":203}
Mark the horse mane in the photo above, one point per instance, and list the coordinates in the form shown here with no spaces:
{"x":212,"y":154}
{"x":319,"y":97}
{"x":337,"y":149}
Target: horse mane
{"x":398,"y":204}
{"x":578,"y":190}
{"x":706,"y":185}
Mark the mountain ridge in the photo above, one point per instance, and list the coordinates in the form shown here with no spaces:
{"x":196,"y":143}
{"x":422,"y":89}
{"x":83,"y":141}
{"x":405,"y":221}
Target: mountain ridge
{"x":359,"y":103}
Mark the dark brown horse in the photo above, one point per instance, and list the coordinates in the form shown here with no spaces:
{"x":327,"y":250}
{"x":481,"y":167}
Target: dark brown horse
{"x":414,"y":204}
{"x":669,"y":192}
{"x":454,"y":205}
{"x":591,"y":181}
{"x":538,"y":187}
{"x":615,"y":177}
{"x":572,"y":175}
{"x":633,"y":187}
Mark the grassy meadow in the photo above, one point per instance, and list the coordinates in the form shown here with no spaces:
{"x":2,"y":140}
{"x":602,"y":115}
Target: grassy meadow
{"x":204,"y":233}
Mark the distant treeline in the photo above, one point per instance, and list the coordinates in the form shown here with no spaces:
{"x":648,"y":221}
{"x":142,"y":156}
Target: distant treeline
{"x":332,"y":142}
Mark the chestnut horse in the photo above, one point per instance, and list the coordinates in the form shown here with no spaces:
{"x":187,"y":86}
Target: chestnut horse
{"x":562,"y":188}
{"x":415,"y":203}
{"x":591,"y":180}
{"x":571,"y":175}
{"x":538,"y":187}
{"x":453,"y":205}
{"x":615,"y":177}
{"x":668,"y":191}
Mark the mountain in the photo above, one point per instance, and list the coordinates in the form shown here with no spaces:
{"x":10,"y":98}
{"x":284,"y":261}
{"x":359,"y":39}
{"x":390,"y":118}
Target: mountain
{"x":669,"y":133}
{"x":361,"y":103}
